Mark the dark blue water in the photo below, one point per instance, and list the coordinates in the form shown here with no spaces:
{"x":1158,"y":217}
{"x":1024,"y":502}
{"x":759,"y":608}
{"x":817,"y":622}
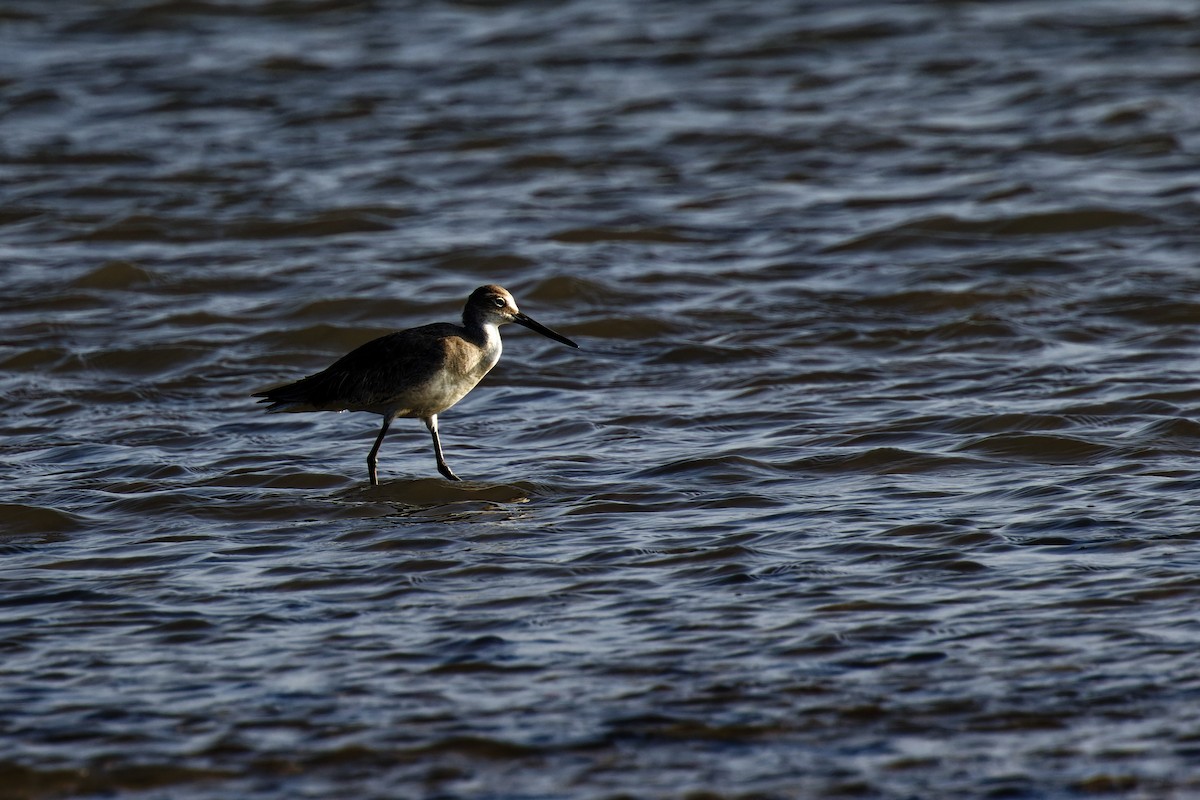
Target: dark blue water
{"x":875,"y":475}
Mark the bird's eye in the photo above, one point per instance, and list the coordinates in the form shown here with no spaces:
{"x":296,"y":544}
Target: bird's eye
{"x":499,"y":301}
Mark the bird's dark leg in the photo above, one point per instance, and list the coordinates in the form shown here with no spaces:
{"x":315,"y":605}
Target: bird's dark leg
{"x":443,"y":467}
{"x":373,"y":456}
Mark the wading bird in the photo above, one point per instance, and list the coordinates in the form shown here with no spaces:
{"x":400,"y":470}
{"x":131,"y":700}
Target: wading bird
{"x":419,"y":372}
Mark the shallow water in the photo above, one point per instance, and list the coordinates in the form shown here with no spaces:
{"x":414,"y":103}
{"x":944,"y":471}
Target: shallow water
{"x":875,"y":475}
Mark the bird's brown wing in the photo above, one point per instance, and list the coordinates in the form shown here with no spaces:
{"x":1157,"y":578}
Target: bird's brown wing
{"x":370,"y":377}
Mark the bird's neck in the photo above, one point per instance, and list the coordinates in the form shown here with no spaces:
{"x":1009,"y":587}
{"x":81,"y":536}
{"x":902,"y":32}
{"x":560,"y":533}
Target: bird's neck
{"x":487,"y":336}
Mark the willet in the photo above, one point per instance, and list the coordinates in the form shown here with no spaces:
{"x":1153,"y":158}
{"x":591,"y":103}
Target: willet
{"x":419,"y":372}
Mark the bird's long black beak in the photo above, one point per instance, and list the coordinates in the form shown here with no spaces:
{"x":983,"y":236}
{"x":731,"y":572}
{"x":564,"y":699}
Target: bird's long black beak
{"x":533,"y":325}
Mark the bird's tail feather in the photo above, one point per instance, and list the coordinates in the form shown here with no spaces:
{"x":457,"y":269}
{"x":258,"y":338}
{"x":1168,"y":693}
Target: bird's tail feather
{"x":291,"y":397}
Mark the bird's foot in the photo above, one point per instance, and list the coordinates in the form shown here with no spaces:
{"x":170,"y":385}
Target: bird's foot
{"x":447,"y":473}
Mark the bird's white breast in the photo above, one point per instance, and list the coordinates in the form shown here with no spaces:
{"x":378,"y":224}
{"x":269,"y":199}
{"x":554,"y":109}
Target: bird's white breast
{"x":466,"y":367}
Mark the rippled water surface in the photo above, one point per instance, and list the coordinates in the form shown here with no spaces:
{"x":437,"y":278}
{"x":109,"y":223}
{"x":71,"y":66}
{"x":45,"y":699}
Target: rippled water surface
{"x":875,"y":476}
